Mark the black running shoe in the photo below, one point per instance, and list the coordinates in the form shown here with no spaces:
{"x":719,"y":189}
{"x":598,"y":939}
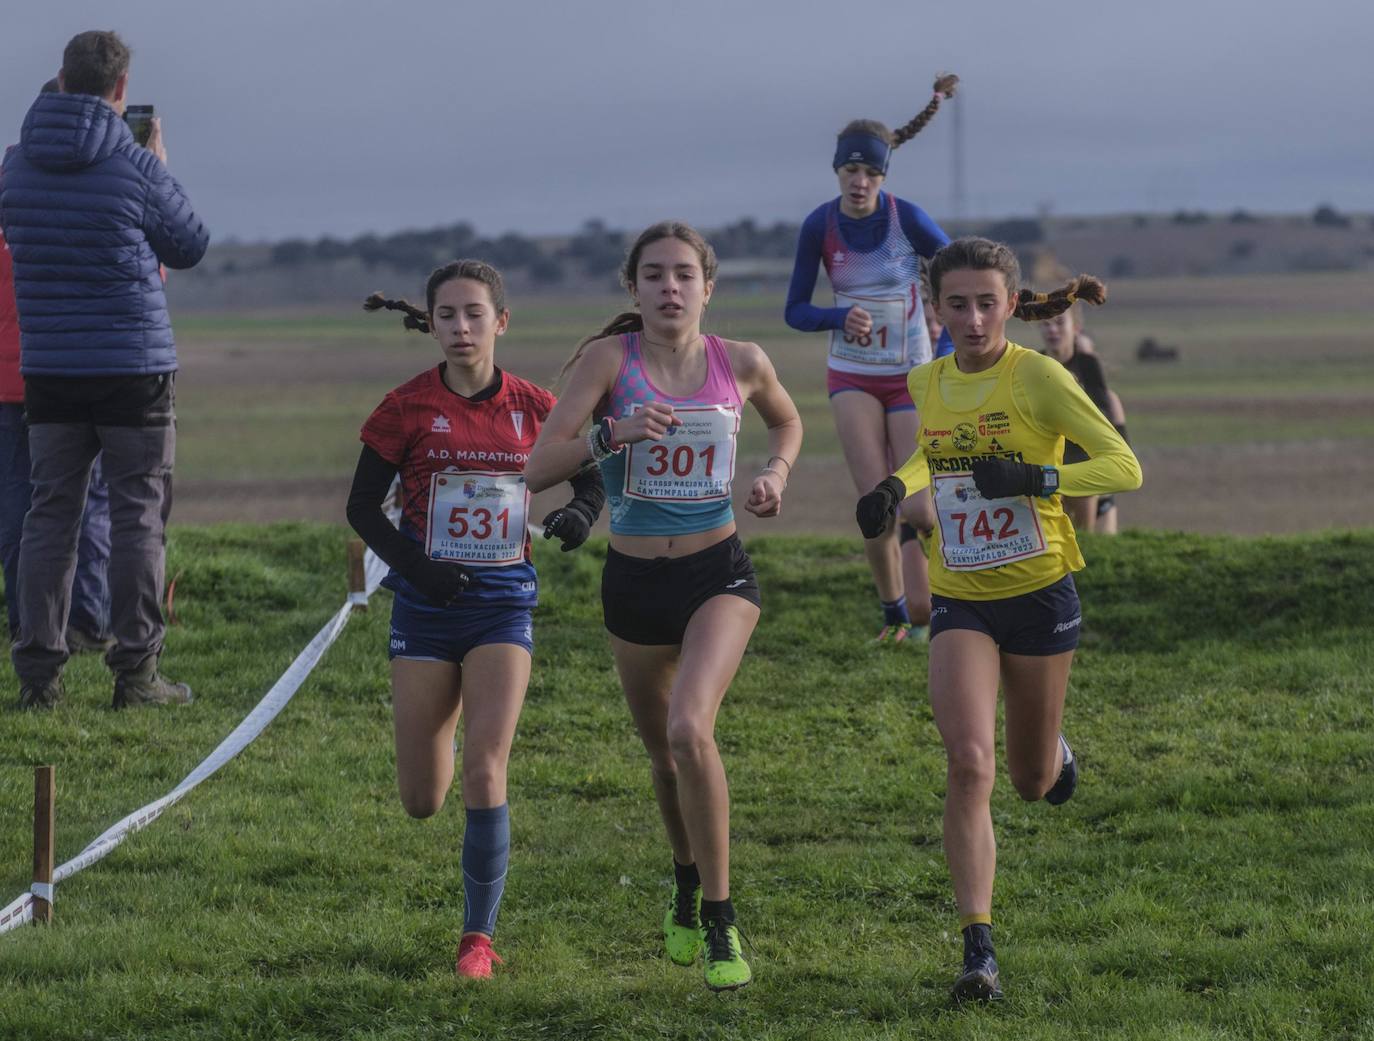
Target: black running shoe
{"x":978,"y":981}
{"x":1064,"y":787}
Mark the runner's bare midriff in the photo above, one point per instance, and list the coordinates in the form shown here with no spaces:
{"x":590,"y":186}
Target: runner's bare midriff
{"x":650,"y":546}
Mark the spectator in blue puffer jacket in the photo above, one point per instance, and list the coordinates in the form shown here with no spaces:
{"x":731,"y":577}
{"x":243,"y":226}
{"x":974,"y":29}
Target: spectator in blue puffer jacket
{"x":88,"y":215}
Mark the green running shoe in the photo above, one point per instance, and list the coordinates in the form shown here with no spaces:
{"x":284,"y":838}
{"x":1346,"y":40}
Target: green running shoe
{"x":726,"y":968}
{"x":682,"y":926}
{"x":893,"y":635}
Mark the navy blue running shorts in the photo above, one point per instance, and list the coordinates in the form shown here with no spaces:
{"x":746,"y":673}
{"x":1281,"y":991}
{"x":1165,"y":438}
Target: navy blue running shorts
{"x":421,"y":632}
{"x":650,"y":600}
{"x":1042,"y":622}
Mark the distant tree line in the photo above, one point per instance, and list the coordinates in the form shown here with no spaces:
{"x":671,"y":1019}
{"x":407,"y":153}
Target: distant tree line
{"x":597,"y":251}
{"x":420,"y":251}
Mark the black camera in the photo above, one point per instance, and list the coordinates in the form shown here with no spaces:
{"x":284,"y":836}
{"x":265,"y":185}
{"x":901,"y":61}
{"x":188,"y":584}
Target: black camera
{"x":140,"y":120}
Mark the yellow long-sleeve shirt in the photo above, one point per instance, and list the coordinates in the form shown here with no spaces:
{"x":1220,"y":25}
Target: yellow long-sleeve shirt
{"x":1021,"y":408}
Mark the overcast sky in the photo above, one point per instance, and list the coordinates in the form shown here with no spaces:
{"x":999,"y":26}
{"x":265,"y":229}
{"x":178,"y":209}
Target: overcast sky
{"x":304,"y":117}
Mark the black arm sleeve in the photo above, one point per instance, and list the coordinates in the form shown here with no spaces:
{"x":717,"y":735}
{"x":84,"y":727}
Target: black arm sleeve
{"x":589,"y":490}
{"x":371,"y":481}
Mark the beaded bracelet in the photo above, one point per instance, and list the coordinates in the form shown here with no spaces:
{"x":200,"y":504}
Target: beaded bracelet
{"x":600,"y":441}
{"x":594,"y":446}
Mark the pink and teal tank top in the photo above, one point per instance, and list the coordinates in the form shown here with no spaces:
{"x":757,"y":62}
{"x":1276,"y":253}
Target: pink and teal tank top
{"x":681,"y":484}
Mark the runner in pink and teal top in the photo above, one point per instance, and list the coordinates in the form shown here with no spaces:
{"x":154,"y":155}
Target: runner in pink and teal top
{"x":680,"y":484}
{"x":679,"y":593}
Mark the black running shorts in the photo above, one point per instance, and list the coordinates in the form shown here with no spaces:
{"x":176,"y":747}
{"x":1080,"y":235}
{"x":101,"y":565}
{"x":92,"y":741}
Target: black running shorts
{"x":1041,"y":622}
{"x":650,"y":600}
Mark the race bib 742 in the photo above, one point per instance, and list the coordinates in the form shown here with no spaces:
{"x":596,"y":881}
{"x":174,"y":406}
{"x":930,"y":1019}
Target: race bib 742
{"x":978,"y":533}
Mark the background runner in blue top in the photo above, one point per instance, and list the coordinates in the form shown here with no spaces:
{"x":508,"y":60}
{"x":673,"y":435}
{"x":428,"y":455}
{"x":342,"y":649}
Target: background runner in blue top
{"x":863,"y":234}
{"x":872,"y":244}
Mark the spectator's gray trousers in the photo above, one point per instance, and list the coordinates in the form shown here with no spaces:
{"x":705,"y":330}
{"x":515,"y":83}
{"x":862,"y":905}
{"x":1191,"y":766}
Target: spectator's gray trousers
{"x":131,"y":420}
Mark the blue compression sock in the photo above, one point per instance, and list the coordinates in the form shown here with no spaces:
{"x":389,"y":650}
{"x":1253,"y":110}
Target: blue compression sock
{"x":895,"y":613}
{"x":486,"y":851}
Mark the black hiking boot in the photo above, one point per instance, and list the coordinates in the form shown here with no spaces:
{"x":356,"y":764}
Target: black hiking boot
{"x":145,"y":686}
{"x":42,"y":695}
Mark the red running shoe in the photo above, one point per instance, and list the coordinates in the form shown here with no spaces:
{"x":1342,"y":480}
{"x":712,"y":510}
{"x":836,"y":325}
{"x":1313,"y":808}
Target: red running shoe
{"x":475,"y":957}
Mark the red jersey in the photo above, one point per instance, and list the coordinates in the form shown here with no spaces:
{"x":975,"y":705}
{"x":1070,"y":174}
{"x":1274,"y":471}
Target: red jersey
{"x":430,"y":432}
{"x":11,"y":383}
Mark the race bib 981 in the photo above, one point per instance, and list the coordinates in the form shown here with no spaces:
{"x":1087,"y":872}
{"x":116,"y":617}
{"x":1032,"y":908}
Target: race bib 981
{"x":477,"y":518}
{"x":884,"y":344}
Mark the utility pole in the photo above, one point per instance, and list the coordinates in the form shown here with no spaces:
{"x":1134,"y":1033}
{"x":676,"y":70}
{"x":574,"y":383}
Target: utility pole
{"x":960,"y":200}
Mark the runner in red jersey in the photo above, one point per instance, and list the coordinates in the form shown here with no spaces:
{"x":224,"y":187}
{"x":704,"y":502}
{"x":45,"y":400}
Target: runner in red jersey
{"x":461,"y":635}
{"x":430,"y":431}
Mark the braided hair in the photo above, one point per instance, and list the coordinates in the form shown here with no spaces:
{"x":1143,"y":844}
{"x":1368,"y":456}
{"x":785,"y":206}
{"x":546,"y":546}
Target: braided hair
{"x":944,"y":88}
{"x":1036,"y":307}
{"x":945,"y":84}
{"x":418,"y":320}
{"x":978,"y":254}
{"x":414,"y":317}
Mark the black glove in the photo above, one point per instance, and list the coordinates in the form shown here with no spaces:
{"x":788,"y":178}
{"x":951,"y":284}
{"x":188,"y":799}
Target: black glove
{"x":439,"y":583}
{"x":571,"y":524}
{"x":875,"y":509}
{"x":1005,"y":478}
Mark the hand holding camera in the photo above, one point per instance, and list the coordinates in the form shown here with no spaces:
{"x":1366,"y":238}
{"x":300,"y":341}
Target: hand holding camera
{"x":147,"y":129}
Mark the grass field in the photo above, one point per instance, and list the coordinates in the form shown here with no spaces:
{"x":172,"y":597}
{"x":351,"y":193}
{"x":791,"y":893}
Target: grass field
{"x":1275,"y":389}
{"x":1211,"y":879}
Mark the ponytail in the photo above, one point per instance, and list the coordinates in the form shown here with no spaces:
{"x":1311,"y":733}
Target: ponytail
{"x":414,"y":317}
{"x":945,"y":84}
{"x":1036,"y":307}
{"x":625,"y":322}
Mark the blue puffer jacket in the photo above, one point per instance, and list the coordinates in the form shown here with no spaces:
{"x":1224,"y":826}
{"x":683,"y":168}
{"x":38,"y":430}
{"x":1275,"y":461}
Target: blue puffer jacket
{"x":88,"y":214}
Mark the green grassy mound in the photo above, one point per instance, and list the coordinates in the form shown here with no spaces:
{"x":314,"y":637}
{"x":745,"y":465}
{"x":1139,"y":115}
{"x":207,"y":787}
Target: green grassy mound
{"x":1211,"y":879}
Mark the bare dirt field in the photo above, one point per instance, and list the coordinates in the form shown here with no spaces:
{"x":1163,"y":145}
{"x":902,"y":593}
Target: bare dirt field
{"x":1266,"y":425}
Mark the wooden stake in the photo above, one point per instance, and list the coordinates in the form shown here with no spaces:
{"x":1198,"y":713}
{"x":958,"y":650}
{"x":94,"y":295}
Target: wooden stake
{"x":357,"y":575}
{"x":44,"y":791}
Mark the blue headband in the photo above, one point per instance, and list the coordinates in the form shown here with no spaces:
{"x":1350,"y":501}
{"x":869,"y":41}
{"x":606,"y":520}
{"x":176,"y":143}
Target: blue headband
{"x":862,"y":148}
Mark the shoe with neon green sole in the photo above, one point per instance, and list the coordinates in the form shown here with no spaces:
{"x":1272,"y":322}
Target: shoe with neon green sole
{"x":892,"y":635}
{"x":726,"y":968}
{"x":682,"y":926}
{"x":903,"y":633}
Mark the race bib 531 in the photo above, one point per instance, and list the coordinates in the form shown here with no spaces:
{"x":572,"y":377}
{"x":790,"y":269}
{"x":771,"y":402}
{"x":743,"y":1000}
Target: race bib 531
{"x":477,"y":518}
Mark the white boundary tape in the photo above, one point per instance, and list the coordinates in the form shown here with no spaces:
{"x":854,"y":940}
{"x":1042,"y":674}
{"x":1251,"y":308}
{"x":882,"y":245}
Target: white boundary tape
{"x":21,"y":909}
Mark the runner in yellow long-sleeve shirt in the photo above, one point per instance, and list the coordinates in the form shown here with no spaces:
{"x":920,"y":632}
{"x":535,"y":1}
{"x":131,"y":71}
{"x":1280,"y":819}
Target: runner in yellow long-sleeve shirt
{"x":994,"y":416}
